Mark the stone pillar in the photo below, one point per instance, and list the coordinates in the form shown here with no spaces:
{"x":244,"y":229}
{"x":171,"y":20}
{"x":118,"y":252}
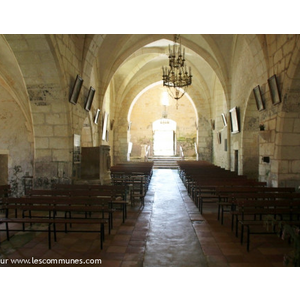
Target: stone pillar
{"x":105,"y":161}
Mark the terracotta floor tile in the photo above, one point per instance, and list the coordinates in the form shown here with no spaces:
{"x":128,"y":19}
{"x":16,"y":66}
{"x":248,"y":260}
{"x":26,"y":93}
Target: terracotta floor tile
{"x":139,"y":235}
{"x":137,"y":243}
{"x":211,"y":250}
{"x":126,"y":229}
{"x":121,"y":237}
{"x":270,"y":251}
{"x":231,"y":251}
{"x":135,"y":249}
{"x":217,"y":261}
{"x":132,"y":256}
{"x":117,"y":249}
{"x":202,"y":234}
{"x":206,"y":240}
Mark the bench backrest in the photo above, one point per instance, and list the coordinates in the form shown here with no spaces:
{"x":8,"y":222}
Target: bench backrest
{"x":253,"y":189}
{"x":272,"y":205}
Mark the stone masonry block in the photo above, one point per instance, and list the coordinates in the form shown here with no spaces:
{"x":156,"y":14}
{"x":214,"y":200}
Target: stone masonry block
{"x":295,"y":166}
{"x":58,"y":143}
{"x":42,"y":143}
{"x":61,"y":155}
{"x":40,"y":154}
{"x":289,"y":139}
{"x":296,"y":125}
{"x":43,"y":131}
{"x":56,"y":119}
{"x":60,"y":131}
{"x":38,"y":119}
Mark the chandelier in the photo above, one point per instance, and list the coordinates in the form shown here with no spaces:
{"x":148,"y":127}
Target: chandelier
{"x":176,"y":77}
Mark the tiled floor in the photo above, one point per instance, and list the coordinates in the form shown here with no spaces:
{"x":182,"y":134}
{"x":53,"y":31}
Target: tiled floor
{"x":169,"y":227}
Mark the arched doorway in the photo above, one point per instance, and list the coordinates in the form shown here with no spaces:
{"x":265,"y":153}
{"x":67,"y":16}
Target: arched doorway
{"x":164,"y":137}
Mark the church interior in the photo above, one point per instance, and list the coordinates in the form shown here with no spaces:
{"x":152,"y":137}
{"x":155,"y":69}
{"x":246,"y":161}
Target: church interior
{"x":86,"y":110}
{"x":41,"y":127}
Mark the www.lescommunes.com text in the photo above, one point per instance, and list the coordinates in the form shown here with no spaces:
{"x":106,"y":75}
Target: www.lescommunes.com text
{"x":50,"y":261}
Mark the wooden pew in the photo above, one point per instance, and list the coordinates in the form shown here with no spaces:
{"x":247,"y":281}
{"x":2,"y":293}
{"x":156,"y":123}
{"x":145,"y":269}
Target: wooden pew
{"x":133,"y":175}
{"x":244,"y":205}
{"x":206,"y":191}
{"x":67,"y":204}
{"x":115,"y":199}
{"x":228,"y":194}
{"x":50,"y":207}
{"x":288,"y":210}
{"x":201,"y":179}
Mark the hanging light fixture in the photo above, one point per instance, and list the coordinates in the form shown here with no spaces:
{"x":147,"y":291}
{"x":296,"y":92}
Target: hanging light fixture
{"x":176,"y":77}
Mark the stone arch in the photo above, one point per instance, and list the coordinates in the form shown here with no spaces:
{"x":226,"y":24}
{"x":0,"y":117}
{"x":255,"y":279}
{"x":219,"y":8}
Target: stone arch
{"x":248,"y":54}
{"x":151,"y":97}
{"x":149,"y":87}
{"x":42,"y":66}
{"x":16,"y":139}
{"x":204,"y":96}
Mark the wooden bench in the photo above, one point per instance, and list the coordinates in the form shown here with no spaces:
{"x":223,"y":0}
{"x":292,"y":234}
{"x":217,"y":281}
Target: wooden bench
{"x":116,"y":198}
{"x":116,"y":190}
{"x":202,"y":180}
{"x":262,"y":227}
{"x":136,"y":177}
{"x":52,"y":222}
{"x":254,"y":210}
{"x":50,"y":207}
{"x":124,"y":178}
{"x":121,"y":173}
{"x":62,"y":204}
{"x":207,"y":190}
{"x":228,"y":194}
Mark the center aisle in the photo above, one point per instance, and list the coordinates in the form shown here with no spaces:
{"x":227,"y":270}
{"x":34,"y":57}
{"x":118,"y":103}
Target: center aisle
{"x":171,"y":241}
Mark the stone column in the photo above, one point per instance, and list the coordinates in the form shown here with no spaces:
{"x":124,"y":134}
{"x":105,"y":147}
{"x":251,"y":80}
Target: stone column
{"x":105,"y":161}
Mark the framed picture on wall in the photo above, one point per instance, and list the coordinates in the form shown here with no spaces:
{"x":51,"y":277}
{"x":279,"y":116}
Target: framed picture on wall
{"x":76,"y":90}
{"x":89,"y":99}
{"x":219,"y":137}
{"x":104,"y":127}
{"x":258,"y":98}
{"x":274,"y":90}
{"x":224,"y":120}
{"x":97,"y":116}
{"x":234,"y":120}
